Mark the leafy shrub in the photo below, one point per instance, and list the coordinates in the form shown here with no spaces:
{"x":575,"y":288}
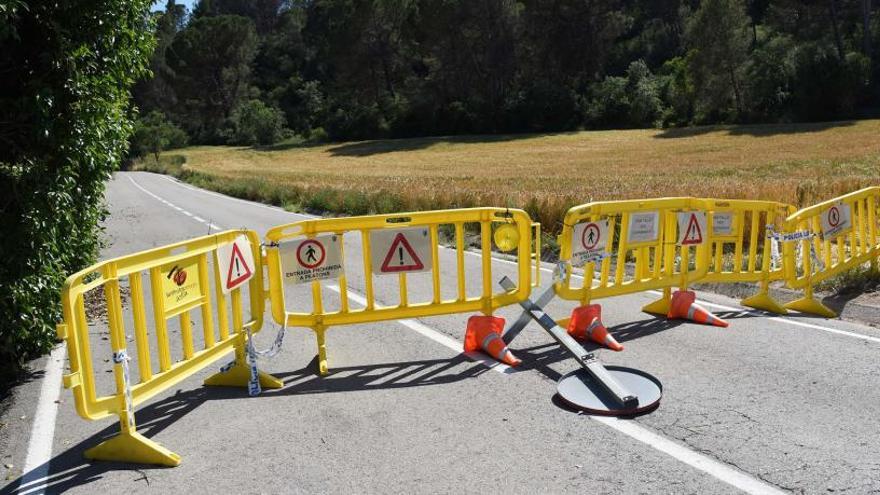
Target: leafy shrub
{"x":153,"y":133}
{"x":64,"y":119}
{"x":254,"y":123}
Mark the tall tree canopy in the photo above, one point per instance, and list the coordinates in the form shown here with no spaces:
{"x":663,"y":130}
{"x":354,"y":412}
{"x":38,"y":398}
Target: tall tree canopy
{"x":356,"y":69}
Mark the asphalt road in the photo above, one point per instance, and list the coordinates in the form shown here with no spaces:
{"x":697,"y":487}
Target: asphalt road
{"x":769,"y":404}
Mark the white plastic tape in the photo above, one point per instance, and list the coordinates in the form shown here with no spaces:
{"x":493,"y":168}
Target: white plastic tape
{"x":121,"y":357}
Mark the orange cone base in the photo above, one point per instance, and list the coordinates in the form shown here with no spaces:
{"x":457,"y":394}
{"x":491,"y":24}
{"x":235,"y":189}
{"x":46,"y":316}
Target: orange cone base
{"x":580,"y":326}
{"x":684,"y":306}
{"x":484,"y":334}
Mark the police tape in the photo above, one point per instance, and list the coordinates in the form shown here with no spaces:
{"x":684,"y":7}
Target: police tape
{"x":121,"y":357}
{"x":801,"y":235}
{"x":790,"y":236}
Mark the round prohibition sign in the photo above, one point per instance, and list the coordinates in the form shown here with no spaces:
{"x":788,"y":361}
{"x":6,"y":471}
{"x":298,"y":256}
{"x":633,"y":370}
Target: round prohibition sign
{"x":310,"y":254}
{"x":590,"y":236}
{"x":833,"y":216}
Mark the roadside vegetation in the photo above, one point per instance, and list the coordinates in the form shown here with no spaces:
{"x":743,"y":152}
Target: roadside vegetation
{"x":67,"y":69}
{"x":545,"y":174}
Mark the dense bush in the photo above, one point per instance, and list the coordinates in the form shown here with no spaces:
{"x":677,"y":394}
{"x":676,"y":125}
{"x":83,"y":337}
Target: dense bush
{"x":153,"y":133}
{"x":67,"y":68}
{"x":253,"y":123}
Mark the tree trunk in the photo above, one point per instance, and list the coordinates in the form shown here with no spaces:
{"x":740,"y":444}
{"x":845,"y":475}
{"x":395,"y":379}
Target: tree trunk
{"x":837,"y":41}
{"x":866,"y":28}
{"x":737,"y":97}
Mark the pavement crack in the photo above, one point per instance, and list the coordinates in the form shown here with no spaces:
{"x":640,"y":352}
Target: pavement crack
{"x":143,"y":476}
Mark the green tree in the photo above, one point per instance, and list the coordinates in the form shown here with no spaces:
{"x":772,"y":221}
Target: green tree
{"x":64,"y":120}
{"x":255,"y":123}
{"x":211,"y":60}
{"x":153,"y":134}
{"x":718,"y":39}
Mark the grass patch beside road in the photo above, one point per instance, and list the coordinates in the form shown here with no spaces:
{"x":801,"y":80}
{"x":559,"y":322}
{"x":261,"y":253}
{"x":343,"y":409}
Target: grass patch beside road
{"x":544,"y":174}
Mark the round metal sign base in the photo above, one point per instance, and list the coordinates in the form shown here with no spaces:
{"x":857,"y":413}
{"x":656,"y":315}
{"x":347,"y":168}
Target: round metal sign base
{"x":581,"y":391}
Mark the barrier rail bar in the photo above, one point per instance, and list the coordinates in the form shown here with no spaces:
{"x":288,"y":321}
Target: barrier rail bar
{"x":659,"y":262}
{"x":179,"y":283}
{"x":844,"y":236}
{"x":518,"y":235}
{"x":740,"y":227}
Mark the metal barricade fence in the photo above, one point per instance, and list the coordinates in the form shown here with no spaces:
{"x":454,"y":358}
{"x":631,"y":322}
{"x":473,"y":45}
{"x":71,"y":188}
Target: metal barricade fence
{"x":399,"y":246}
{"x":610,"y":233}
{"x":179,"y":284}
{"x":740,"y":248}
{"x":827,"y":239}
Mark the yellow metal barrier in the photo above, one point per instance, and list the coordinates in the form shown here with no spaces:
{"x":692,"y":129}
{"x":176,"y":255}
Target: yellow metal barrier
{"x":828,"y":239}
{"x":740,"y":249}
{"x":180,"y":285}
{"x":396,"y":246}
{"x":610,"y":233}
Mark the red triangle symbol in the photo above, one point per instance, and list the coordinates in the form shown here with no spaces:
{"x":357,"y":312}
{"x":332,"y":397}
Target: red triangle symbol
{"x":239,"y":271}
{"x":693,"y":234}
{"x":394,"y":260}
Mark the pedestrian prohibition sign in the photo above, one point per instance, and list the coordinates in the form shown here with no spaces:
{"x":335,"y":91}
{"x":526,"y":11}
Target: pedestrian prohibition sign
{"x":400,"y":250}
{"x":310,"y":254}
{"x":236,"y":262}
{"x":835,"y":220}
{"x":588,"y":241}
{"x":307,"y":260}
{"x":691,"y":228}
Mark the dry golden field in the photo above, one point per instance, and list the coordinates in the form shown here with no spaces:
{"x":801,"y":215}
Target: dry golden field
{"x":796,"y":163}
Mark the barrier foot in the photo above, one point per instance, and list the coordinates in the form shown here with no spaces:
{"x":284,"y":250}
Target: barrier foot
{"x":239,"y":375}
{"x":765,"y":302}
{"x":812,"y":306}
{"x":658,"y":307}
{"x":135,"y":448}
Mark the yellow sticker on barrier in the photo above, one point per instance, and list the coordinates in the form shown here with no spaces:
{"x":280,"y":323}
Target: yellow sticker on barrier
{"x":180,"y":283}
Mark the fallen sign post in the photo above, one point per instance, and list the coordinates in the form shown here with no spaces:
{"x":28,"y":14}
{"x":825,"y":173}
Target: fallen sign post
{"x":614,"y":391}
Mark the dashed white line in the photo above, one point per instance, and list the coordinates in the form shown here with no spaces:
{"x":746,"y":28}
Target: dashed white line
{"x":172,"y":205}
{"x":437,"y":336}
{"x":704,"y":463}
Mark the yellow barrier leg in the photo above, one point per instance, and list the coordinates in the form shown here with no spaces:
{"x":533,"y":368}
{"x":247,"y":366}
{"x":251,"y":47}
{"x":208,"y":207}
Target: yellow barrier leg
{"x":808,"y":304}
{"x":240,"y":373}
{"x":762,"y":300}
{"x":660,"y":306}
{"x":131,"y":446}
{"x":323,"y":370}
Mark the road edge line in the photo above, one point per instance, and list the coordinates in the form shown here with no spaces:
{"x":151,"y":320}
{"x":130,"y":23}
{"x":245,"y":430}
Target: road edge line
{"x":39,"y":452}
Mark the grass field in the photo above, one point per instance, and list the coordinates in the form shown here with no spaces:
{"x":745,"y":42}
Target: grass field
{"x":546,"y":174}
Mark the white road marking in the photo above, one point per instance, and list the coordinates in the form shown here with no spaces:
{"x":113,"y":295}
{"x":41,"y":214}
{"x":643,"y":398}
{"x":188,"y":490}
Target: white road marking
{"x":437,"y":336}
{"x":223,"y":196}
{"x":172,"y":205}
{"x":716,"y":469}
{"x":793,"y":322}
{"x":743,"y":310}
{"x":39,"y":453}
{"x":712,"y":467}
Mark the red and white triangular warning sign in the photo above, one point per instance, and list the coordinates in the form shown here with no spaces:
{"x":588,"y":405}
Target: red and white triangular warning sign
{"x":691,"y":226}
{"x":401,"y":257}
{"x":404,"y":250}
{"x":236,"y":262}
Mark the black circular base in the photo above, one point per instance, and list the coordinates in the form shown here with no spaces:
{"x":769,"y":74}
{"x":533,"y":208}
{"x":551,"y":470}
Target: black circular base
{"x":581,"y":391}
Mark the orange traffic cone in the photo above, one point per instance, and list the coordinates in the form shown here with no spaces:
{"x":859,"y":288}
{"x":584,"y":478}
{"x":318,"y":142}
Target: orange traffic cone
{"x":586,"y":322}
{"x":484,"y":333}
{"x":684,"y":305}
